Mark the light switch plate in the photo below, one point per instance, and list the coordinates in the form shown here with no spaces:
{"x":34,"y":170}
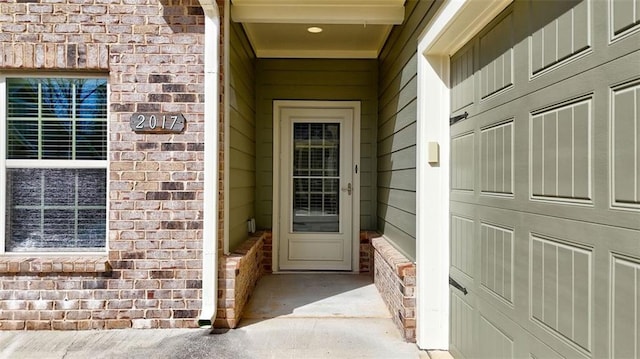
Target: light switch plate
{"x":433,"y":153}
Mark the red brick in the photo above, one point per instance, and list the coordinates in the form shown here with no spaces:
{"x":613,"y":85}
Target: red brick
{"x":158,"y":313}
{"x":51,"y":314}
{"x":93,"y":304}
{"x":38,"y":325}
{"x":13,"y":305}
{"x":12,"y":325}
{"x":118,"y":324}
{"x":67,"y":304}
{"x":144,"y":323}
{"x":146,"y":303}
{"x":64,"y":325}
{"x":104,"y":314}
{"x":26,"y":315}
{"x":78,"y":315}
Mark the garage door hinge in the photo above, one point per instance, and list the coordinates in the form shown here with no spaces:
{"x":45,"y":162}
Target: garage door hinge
{"x":457,"y":285}
{"x":455,"y":119}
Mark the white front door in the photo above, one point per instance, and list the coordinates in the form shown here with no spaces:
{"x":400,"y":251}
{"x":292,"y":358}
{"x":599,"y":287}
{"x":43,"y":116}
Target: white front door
{"x":316,"y":188}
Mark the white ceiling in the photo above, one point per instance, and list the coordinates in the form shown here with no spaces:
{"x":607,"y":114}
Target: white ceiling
{"x":351,"y":28}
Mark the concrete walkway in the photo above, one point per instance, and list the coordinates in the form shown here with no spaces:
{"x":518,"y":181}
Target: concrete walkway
{"x":289,"y":316}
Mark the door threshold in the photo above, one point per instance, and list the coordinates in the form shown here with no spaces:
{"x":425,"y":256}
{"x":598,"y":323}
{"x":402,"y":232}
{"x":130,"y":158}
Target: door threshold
{"x":315,"y":272}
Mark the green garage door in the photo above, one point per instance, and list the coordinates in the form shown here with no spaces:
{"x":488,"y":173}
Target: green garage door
{"x":545,"y":183}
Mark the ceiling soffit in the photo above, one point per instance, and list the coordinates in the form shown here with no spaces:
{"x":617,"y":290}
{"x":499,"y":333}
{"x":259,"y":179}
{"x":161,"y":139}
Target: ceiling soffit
{"x":351,"y":28}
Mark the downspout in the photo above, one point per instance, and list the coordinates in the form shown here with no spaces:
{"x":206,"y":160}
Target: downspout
{"x":211,"y":119}
{"x":227,"y":124}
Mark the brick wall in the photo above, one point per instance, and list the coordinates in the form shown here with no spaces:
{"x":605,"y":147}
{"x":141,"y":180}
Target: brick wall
{"x":237,"y":277}
{"x":395,"y":278}
{"x":366,"y":251}
{"x":267,"y":250}
{"x":152,"y":53}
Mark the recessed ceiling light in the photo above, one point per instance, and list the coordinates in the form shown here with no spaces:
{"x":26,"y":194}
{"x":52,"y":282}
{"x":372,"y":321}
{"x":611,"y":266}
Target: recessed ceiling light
{"x":314,"y":29}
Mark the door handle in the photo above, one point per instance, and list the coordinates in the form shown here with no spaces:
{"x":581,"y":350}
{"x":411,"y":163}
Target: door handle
{"x":348,"y":189}
{"x":458,"y":286}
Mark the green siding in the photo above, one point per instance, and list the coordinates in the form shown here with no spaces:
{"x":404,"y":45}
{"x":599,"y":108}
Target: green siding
{"x":316,"y":79}
{"x":396,"y":137}
{"x":242,"y":135}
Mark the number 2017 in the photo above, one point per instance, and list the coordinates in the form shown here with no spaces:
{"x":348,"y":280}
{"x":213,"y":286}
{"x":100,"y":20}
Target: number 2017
{"x":152,"y":122}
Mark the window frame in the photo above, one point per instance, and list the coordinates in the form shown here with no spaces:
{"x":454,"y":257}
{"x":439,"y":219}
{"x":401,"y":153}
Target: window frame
{"x":48,"y":164}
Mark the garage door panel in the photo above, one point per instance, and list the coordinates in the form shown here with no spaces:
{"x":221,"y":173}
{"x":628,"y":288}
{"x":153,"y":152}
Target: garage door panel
{"x":462,"y":241}
{"x":625,"y":306}
{"x":496,"y":159}
{"x":625,"y":124}
{"x":504,"y":338}
{"x":462,"y":331}
{"x":501,"y":247}
{"x":625,"y":17}
{"x":561,"y":32}
{"x":494,"y":342}
{"x":577,"y":259}
{"x":463,"y":162}
{"x":496,"y":56}
{"x":462,"y":78}
{"x":560,"y":150}
{"x":554,"y":290}
{"x":497,"y":248}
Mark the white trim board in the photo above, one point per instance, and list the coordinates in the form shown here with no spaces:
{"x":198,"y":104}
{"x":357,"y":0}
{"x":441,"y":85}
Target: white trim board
{"x":355,"y":105}
{"x":456,"y":22}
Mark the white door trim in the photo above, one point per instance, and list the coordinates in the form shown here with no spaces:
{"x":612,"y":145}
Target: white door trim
{"x":355,"y":223}
{"x":456,"y":22}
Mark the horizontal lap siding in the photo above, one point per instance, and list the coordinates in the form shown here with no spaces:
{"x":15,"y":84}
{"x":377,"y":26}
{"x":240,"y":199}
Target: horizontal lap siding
{"x":396,"y":139}
{"x":242,"y":140}
{"x":316,"y":79}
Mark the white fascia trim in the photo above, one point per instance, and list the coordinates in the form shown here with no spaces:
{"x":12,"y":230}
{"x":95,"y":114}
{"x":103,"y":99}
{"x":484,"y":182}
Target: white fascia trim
{"x":456,"y":22}
{"x":387,"y":14}
{"x":210,"y":210}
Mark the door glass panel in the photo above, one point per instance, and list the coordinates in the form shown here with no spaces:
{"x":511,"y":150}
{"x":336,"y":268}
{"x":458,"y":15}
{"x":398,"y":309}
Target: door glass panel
{"x":316,"y":177}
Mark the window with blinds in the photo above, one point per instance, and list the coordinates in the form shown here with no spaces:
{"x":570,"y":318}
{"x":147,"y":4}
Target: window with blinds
{"x":316,"y":177}
{"x":56,"y":164}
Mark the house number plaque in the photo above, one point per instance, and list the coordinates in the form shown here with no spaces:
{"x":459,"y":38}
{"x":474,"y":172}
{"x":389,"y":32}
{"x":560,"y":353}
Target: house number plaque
{"x":142,"y":122}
